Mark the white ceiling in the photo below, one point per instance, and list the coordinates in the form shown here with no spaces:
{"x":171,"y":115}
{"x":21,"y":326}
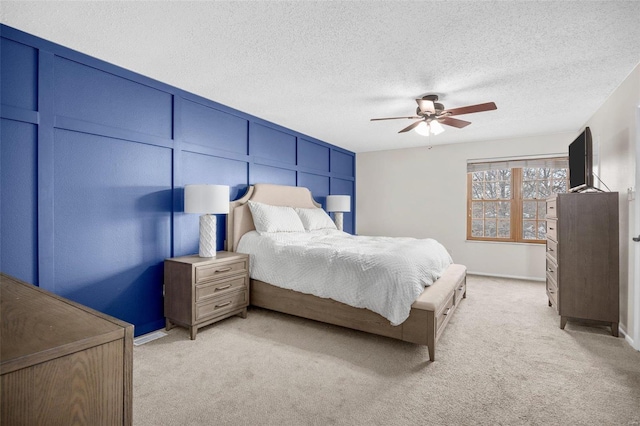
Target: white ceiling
{"x":325,"y":68}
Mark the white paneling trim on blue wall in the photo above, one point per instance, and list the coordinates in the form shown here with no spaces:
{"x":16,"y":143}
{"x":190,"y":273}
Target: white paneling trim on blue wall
{"x":93,"y":159}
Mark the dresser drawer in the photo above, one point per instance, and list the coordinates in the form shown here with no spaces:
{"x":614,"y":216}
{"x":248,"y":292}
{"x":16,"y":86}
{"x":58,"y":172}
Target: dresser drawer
{"x":552,"y":291}
{"x":221,"y":305}
{"x":552,"y":208}
{"x":220,"y":270}
{"x":552,"y":249}
{"x":220,"y":287}
{"x":552,"y":229}
{"x":552,"y":269}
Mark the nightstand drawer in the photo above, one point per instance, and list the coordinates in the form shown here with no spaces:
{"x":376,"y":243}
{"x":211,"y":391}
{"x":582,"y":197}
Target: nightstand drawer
{"x":218,"y":270}
{"x":220,"y":287}
{"x":219,"y":306}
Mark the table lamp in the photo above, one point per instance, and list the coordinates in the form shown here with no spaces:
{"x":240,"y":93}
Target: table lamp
{"x":338,"y":204}
{"x":208,"y":200}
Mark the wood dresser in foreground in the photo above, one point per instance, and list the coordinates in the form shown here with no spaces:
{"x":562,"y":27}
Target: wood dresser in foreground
{"x":61,"y":363}
{"x":199,"y":291}
{"x":583,"y":265}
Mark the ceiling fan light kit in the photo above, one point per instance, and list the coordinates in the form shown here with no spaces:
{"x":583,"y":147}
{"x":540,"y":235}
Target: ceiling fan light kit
{"x":434,"y":127}
{"x":432,"y":115}
{"x":423,"y":128}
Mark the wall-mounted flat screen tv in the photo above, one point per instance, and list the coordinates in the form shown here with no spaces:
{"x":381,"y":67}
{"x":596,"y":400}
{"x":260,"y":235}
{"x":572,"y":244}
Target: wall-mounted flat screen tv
{"x":581,"y":162}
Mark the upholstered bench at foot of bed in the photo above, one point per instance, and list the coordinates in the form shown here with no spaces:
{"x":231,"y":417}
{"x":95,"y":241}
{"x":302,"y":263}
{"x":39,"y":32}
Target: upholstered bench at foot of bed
{"x":435,"y":306}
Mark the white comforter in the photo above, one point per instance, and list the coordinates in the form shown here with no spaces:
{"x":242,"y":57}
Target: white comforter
{"x":382,"y":274}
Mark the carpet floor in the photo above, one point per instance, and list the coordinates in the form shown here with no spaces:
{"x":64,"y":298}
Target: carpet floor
{"x":502,"y":360}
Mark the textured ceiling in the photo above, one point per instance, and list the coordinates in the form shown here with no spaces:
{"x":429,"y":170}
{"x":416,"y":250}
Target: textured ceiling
{"x":326,"y":68}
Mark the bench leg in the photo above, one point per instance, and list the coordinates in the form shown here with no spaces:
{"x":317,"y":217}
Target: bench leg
{"x":431,"y":335}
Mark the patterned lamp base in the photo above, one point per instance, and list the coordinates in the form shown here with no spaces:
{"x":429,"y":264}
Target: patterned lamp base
{"x":338,"y":220}
{"x":207,"y":235}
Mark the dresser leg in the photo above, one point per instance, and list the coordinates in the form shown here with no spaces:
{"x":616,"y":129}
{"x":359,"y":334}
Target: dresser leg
{"x":193,"y":331}
{"x":563,"y":322}
{"x":167,"y":324}
{"x":614,"y":329}
{"x":243,"y":314}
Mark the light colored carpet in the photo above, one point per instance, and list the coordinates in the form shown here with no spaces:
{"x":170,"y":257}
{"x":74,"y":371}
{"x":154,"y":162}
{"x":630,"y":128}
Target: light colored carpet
{"x":502,"y":360}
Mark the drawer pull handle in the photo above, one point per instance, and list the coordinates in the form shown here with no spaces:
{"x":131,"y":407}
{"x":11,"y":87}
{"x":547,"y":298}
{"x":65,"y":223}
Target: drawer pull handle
{"x":551,"y":229}
{"x":223,"y":304}
{"x":447,"y":311}
{"x":223,"y":270}
{"x":549,"y":249}
{"x":549,"y":270}
{"x":222,"y":288}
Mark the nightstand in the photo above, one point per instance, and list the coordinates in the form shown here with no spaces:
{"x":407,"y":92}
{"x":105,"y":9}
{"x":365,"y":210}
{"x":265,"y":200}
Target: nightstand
{"x":199,"y":291}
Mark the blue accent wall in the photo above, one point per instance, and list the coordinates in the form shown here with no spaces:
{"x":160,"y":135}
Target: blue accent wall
{"x":93,"y":161}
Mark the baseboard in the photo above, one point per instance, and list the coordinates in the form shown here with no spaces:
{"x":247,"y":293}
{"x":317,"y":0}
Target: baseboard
{"x":628,"y":339}
{"x":146,"y":338}
{"x":514,"y":277}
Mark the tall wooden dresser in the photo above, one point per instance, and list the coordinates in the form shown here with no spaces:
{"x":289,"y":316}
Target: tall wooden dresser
{"x":61,"y":363}
{"x":583,"y":257}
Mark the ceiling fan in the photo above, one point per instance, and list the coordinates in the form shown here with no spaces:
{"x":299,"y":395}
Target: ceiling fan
{"x":430,"y":114}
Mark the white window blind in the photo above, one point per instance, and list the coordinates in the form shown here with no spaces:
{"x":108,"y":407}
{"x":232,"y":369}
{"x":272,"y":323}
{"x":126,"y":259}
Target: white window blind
{"x":481,"y":165}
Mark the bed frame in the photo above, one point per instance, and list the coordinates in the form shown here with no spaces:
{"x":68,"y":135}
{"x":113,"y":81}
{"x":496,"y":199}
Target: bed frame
{"x":429,"y":314}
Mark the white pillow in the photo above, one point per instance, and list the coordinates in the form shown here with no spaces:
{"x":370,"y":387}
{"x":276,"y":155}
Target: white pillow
{"x":267,"y":218}
{"x":313,"y":219}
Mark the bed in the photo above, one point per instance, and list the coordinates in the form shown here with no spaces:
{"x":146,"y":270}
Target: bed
{"x":428,"y":315}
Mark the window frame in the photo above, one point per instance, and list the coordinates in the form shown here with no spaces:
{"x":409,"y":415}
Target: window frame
{"x":516,"y":218}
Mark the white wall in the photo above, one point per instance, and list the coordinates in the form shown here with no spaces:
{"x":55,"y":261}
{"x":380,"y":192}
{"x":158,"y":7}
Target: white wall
{"x":613,"y":128}
{"x":422,"y":192}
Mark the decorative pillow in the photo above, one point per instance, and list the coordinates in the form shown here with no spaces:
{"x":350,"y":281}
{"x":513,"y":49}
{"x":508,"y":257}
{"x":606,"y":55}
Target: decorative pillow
{"x":313,"y":219}
{"x":268,"y":218}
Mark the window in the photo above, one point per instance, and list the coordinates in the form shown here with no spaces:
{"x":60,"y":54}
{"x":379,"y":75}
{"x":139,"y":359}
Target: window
{"x":506,"y":199}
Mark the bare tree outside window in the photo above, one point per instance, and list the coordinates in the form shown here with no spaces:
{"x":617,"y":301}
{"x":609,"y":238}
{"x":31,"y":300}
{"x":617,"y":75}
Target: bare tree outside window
{"x":509,"y":204}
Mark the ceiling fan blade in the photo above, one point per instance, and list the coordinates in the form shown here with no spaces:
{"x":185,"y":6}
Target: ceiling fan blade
{"x":426,"y":106}
{"x":472,"y":108}
{"x":410,"y":127}
{"x":455,"y":122}
{"x":395,"y":118}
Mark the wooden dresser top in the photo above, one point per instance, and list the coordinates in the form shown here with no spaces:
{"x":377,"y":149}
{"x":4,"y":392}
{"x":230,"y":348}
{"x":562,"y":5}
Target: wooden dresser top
{"x":37,"y":326}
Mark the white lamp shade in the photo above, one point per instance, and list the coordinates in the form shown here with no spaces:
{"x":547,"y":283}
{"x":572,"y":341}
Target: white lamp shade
{"x":338,"y":203}
{"x":210,"y":199}
{"x":436,"y":127}
{"x":422,"y":129}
